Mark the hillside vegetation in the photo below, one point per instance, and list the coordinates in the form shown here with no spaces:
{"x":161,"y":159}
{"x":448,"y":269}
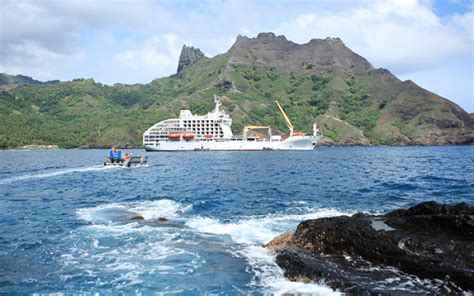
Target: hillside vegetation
{"x":322,"y":81}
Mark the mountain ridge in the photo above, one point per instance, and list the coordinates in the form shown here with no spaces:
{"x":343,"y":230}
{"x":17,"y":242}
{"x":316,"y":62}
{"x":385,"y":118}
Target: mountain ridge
{"x":6,"y":79}
{"x":321,"y":80}
{"x":315,"y":54}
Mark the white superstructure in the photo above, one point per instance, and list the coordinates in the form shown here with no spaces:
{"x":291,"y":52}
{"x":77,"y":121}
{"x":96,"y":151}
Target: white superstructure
{"x":213,"y":132}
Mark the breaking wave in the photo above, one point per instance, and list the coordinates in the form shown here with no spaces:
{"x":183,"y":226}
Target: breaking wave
{"x":251,"y":234}
{"x":244,"y":239}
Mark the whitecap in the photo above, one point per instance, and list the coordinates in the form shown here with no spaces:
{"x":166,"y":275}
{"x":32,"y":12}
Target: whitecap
{"x":257,"y":230}
{"x":116,"y":213}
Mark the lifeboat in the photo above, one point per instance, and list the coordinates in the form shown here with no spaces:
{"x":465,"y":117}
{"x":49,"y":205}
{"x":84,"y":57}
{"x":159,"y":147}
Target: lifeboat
{"x":174,"y":136}
{"x":298,"y":134}
{"x":188,"y":136}
{"x":207,"y":136}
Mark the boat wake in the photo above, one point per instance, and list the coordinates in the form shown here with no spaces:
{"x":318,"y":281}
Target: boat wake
{"x":55,"y":173}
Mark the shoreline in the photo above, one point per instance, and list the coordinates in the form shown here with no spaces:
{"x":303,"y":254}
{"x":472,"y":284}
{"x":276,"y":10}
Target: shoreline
{"x":316,"y":148}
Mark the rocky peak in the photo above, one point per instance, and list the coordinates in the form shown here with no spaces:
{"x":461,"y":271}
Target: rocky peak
{"x":262,"y":38}
{"x":268,"y":49}
{"x":271,"y":36}
{"x":189,"y":55}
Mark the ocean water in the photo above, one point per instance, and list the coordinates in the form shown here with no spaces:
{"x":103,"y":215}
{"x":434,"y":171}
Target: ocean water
{"x":65,"y":219}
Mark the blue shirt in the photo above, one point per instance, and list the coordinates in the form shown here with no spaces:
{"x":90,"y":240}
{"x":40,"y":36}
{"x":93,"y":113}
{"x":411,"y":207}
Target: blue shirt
{"x":115,"y":156}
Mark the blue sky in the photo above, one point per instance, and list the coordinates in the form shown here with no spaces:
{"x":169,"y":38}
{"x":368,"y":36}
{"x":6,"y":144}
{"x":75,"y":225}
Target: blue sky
{"x":125,"y":41}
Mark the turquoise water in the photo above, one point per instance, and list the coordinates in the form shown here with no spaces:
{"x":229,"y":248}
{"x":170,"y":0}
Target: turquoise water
{"x":64,"y":223}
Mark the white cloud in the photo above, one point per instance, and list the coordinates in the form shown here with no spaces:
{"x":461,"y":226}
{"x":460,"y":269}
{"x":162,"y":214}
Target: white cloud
{"x":452,"y":81}
{"x":45,"y":38}
{"x":158,"y":55}
{"x":130,"y":41}
{"x":38,"y":62}
{"x":403,"y":36}
{"x":406,"y":37}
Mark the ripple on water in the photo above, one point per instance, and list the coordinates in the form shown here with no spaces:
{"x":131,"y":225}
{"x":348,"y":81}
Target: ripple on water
{"x":65,"y":219}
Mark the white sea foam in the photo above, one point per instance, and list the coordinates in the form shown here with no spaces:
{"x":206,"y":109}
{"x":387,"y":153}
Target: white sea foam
{"x":137,"y":254}
{"x":55,"y":173}
{"x":149,"y":210}
{"x":251,"y":234}
{"x":248,"y":233}
{"x":160,"y":208}
{"x":143,"y":249}
{"x":256,"y":230}
{"x":269,"y":275}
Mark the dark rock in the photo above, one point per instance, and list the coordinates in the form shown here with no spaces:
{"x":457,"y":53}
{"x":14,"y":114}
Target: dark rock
{"x":163,"y":222}
{"x":356,"y":276}
{"x":454,"y":221}
{"x":430,"y":241}
{"x":189,"y":55}
{"x":141,"y":218}
{"x":224,"y":84}
{"x":158,"y":222}
{"x":137,"y":218}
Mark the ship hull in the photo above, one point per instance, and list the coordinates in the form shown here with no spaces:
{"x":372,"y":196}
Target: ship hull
{"x":291,"y":143}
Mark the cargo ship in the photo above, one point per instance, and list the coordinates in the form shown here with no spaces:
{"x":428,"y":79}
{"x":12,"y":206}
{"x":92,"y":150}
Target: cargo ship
{"x":212,"y":132}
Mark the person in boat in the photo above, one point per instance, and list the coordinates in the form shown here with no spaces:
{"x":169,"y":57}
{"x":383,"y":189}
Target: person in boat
{"x":115,"y":155}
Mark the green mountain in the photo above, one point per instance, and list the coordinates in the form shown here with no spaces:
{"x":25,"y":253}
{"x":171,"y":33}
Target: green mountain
{"x":322,"y":81}
{"x":20,"y":79}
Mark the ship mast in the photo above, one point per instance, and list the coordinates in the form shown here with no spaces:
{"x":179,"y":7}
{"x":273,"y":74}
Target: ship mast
{"x":287,"y":120}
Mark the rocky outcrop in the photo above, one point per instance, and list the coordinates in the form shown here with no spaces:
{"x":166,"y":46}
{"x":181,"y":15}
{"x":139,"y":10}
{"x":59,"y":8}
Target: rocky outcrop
{"x":325,"y":141}
{"x":189,"y":55}
{"x":270,"y":50}
{"x":137,"y":218}
{"x":364,"y":254}
{"x":427,"y":118}
{"x":224,"y":85}
{"x":344,"y":133}
{"x":281,"y":241}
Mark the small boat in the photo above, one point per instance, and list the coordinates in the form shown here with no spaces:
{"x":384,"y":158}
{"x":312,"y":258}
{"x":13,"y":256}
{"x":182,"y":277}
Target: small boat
{"x":131,"y":161}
